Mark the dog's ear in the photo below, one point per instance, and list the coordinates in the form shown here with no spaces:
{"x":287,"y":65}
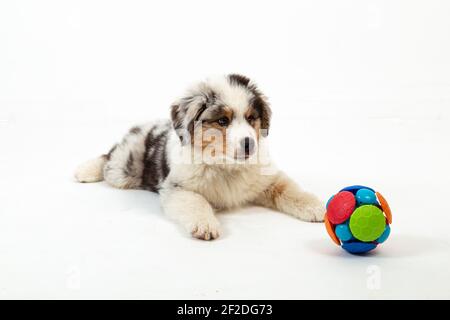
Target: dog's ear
{"x":176,"y":116}
{"x":261,"y":104}
{"x":187,"y":111}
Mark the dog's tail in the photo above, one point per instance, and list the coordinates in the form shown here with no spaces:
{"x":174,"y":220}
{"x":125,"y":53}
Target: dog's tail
{"x":92,"y":170}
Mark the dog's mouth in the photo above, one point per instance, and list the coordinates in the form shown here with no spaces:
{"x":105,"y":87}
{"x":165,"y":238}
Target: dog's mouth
{"x":242,"y":156}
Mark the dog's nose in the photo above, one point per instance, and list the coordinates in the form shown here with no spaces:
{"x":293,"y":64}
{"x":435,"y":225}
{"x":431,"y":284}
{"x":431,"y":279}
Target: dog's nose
{"x":248,"y":145}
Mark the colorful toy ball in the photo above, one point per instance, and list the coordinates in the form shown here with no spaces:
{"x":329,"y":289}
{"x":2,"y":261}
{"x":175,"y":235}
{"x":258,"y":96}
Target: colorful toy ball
{"x":358,"y":219}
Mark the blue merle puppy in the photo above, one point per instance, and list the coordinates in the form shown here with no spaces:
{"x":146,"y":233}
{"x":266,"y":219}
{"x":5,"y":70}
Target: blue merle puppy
{"x":211,"y":156}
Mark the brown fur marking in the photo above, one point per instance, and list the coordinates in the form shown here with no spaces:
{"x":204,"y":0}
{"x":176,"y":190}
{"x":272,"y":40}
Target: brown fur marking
{"x":276,"y":190}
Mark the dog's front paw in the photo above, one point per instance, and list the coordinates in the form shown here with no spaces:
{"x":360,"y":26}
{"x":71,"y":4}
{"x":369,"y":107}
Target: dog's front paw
{"x":314,"y":212}
{"x":206,"y":228}
{"x":311,"y":211}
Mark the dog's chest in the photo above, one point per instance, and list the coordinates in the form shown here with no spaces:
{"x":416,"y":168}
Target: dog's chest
{"x":228,"y":188}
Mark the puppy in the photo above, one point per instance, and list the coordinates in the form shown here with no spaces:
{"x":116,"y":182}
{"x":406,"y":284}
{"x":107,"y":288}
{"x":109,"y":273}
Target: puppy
{"x":211,"y":156}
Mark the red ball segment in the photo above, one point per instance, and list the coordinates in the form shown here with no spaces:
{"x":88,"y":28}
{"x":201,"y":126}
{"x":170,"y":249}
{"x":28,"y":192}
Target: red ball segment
{"x":341,"y":207}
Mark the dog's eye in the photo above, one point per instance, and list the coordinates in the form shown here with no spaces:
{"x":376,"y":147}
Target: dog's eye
{"x":251,"y":118}
{"x":223,"y":122}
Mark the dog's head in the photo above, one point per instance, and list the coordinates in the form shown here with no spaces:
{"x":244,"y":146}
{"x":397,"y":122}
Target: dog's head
{"x":224,"y":117}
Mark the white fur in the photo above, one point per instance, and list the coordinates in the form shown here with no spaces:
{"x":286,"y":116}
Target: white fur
{"x":233,"y":96}
{"x":192,"y":211}
{"x":91,"y":170}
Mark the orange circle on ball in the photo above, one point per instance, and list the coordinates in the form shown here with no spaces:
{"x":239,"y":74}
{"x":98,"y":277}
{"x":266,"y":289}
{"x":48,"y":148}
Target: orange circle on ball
{"x":385,"y":207}
{"x":330,"y":231}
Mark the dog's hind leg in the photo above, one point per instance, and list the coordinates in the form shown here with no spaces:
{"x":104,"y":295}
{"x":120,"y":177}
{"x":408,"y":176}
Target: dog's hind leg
{"x":92,"y":170}
{"x":122,"y":167}
{"x":125,"y":165}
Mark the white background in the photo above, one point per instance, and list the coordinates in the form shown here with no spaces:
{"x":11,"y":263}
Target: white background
{"x":360,"y":93}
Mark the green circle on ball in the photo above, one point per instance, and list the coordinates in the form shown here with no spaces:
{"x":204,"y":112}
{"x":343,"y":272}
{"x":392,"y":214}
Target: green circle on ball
{"x":367,"y":223}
